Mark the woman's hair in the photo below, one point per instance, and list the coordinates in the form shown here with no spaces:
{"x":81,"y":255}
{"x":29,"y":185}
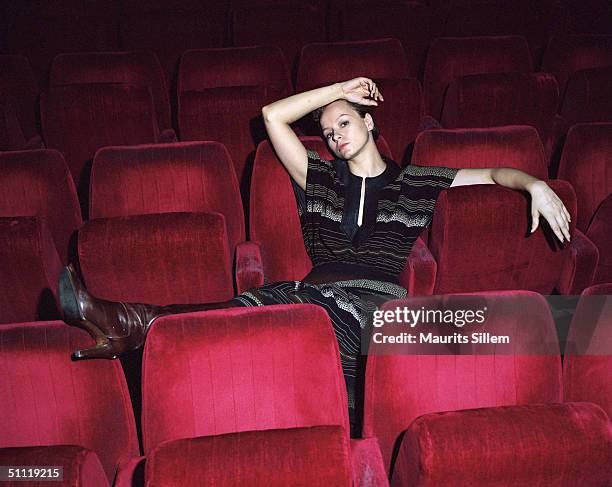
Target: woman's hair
{"x":362,"y":110}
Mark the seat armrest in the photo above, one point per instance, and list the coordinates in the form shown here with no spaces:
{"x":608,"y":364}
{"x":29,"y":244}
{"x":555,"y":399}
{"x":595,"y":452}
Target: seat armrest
{"x":249,"y":267}
{"x":419,"y":275}
{"x":579,"y":268}
{"x":130,"y":472}
{"x":367,"y":462}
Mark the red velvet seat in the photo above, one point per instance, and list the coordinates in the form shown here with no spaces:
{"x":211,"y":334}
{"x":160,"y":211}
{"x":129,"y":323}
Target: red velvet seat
{"x":489,"y":100}
{"x":252,"y":369}
{"x":79,"y":119}
{"x":587,"y":96}
{"x":398,"y":118}
{"x":158,"y":258}
{"x":516,"y":146}
{"x":170,"y":28}
{"x":221,"y":93}
{"x":567,"y":54}
{"x":453,"y":57}
{"x":316,"y":456}
{"x":587,"y":364}
{"x":585,"y":163}
{"x":131,"y":68}
{"x":408,"y":21}
{"x":41,"y":30}
{"x":50,"y":400}
{"x":38,"y":183}
{"x":405,"y":381}
{"x":288,"y":25}
{"x":480,"y":240}
{"x":29,"y":270}
{"x":19,"y":90}
{"x":11,"y":135}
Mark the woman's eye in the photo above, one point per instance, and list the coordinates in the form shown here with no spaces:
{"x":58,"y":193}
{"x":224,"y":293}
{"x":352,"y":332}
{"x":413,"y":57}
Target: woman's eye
{"x":328,"y":136}
{"x":344,"y":123}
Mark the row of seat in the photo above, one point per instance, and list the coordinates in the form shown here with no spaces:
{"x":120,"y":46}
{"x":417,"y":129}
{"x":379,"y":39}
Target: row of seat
{"x":41,"y":30}
{"x":257,"y":397}
{"x":161,"y":203}
{"x":104,"y":99}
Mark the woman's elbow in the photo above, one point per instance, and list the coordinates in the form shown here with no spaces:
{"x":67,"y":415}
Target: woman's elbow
{"x":267,"y":114}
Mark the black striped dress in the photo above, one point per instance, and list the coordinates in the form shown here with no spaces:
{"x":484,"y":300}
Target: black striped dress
{"x":355,"y":269}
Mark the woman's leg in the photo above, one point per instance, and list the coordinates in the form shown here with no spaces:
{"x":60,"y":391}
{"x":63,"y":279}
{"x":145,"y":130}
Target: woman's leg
{"x":117,"y":327}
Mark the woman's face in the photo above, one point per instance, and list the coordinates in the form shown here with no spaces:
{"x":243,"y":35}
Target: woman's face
{"x":345,"y":132}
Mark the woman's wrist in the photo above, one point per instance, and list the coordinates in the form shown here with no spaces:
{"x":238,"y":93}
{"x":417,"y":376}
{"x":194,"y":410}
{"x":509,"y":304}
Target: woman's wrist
{"x":535,"y":185}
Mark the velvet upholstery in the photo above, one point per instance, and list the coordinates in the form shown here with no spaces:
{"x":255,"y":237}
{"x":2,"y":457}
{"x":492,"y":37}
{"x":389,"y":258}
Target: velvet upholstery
{"x":29,"y":269}
{"x":513,"y":146}
{"x":586,"y":162}
{"x":407,"y":21}
{"x":230,"y":115}
{"x":241,"y":369}
{"x":480,"y":240}
{"x":169,"y":29}
{"x":38,"y":183}
{"x":79,"y":119}
{"x":81,"y":467}
{"x":323,"y":63}
{"x":131,"y":68}
{"x":202,"y":69}
{"x":11,"y":135}
{"x":18,"y":85}
{"x":316,"y":456}
{"x":540,"y":444}
{"x":570,"y":53}
{"x":165,"y":178}
{"x":51,"y":400}
{"x":287,"y":25}
{"x":587,"y":364}
{"x":452,"y":57}
{"x":158,"y":258}
{"x":274,"y":220}
{"x":488,"y":100}
{"x":579,"y":269}
{"x":410,"y":382}
{"x":600,"y":233}
{"x":587,"y":96}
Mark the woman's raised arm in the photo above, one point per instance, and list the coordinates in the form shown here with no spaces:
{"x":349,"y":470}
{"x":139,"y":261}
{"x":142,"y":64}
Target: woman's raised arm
{"x":279,"y":115}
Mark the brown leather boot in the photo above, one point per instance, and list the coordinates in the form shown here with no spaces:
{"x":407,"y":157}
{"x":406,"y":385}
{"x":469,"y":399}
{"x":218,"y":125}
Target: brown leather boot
{"x":117,"y":327}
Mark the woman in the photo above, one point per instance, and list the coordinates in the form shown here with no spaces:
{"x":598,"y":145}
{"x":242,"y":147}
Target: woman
{"x":360,"y":215}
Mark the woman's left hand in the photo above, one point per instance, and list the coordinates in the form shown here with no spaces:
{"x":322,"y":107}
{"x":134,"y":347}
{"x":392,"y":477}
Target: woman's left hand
{"x":545,"y":202}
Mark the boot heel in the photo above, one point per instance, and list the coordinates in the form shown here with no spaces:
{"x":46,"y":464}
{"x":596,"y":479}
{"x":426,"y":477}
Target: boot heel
{"x":104,"y":350}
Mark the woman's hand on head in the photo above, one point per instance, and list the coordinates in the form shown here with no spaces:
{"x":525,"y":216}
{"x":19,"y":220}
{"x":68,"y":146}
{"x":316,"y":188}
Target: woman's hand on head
{"x":361,"y":90}
{"x":545,"y":202}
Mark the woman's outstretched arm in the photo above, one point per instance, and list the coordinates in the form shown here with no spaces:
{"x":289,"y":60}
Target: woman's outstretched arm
{"x":544,"y":201}
{"x":279,"y":115}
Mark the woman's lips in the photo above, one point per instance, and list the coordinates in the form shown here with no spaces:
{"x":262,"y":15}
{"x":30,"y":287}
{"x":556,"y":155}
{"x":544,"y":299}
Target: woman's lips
{"x":343,"y":146}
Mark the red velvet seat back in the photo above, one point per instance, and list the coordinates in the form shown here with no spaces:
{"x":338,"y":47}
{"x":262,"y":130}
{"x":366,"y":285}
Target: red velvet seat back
{"x":408,"y":21}
{"x":79,"y":119}
{"x":288,"y":25}
{"x":18,"y":85}
{"x":165,"y":178}
{"x":324,"y":63}
{"x":587,"y":96}
{"x":490,"y":100}
{"x":202,"y":69}
{"x":159,"y":259}
{"x":480,"y":239}
{"x":587,"y":365}
{"x":516,"y":146}
{"x":29,"y":269}
{"x":241,"y":369}
{"x":453,"y":57}
{"x":52,"y":400}
{"x":586,"y":162}
{"x":295,"y":457}
{"x":230,"y":115}
{"x":568,"y":54}
{"x":11,"y":135}
{"x":600,"y":233}
{"x":132,"y":68}
{"x":38,"y":183}
{"x":274,"y":219}
{"x":410,"y":381}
